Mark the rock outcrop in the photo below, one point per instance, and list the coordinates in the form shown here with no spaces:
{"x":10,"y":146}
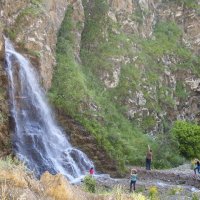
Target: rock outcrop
{"x":33,"y":27}
{"x":140,"y":18}
{"x":5,"y":144}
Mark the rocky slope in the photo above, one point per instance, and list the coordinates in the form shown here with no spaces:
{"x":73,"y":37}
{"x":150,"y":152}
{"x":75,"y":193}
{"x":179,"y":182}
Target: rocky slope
{"x":33,"y":26}
{"x":138,"y":63}
{"x":5,"y":144}
{"x":143,"y":53}
{"x":141,"y":18}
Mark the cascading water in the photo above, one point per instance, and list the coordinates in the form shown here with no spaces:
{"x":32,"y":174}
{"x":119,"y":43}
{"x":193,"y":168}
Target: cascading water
{"x":37,"y":140}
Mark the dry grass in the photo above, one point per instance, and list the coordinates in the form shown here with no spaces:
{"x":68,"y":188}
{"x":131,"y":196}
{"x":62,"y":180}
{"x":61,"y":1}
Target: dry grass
{"x":119,"y":194}
{"x":16,"y":183}
{"x":57,"y":187}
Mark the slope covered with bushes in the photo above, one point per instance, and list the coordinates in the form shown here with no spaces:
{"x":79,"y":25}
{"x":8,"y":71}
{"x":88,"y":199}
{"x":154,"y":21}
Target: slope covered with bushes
{"x":79,"y":91}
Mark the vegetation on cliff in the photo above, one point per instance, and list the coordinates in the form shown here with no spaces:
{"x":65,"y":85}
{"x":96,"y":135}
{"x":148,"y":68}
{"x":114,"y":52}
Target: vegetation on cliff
{"x":32,"y":10}
{"x":78,"y":90}
{"x":187,"y":3}
{"x":74,"y":88}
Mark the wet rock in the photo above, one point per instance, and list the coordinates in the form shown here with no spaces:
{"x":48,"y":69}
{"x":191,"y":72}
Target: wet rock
{"x":1,"y":48}
{"x":83,"y":140}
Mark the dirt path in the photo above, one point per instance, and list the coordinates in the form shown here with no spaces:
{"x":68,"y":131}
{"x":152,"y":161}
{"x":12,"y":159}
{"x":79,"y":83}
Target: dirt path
{"x":174,"y":184}
{"x":182,"y":175}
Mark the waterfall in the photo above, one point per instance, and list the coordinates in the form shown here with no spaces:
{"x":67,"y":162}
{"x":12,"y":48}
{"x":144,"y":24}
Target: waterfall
{"x":37,"y":139}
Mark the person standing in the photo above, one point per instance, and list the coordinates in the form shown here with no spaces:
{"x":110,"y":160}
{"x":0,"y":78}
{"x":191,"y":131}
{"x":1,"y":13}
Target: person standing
{"x":149,"y":157}
{"x":197,"y":167}
{"x":133,"y":178}
{"x":91,"y":171}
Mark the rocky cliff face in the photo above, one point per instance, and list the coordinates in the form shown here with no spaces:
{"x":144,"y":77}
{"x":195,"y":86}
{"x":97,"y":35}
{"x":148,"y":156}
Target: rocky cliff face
{"x":5,"y":146}
{"x":151,"y":68}
{"x":141,"y":18}
{"x":33,"y":26}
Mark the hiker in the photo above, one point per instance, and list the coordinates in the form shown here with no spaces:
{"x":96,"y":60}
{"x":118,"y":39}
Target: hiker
{"x":91,"y":171}
{"x":149,"y":156}
{"x":197,"y":167}
{"x":133,"y":179}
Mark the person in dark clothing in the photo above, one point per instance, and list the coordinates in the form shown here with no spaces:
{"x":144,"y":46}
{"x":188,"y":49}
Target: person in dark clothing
{"x":197,"y":168}
{"x":149,"y":157}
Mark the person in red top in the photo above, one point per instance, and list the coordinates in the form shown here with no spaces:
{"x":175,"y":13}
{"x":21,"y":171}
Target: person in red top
{"x":91,"y":171}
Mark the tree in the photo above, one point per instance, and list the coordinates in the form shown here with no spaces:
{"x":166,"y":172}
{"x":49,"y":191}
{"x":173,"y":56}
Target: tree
{"x":188,"y":136}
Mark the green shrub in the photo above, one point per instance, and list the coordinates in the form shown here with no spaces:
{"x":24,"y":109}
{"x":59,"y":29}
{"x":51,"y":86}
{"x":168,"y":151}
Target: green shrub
{"x":166,"y":152}
{"x":195,"y":196}
{"x":153,"y":193}
{"x":188,"y":136}
{"x":90,"y":184}
{"x":175,"y":190}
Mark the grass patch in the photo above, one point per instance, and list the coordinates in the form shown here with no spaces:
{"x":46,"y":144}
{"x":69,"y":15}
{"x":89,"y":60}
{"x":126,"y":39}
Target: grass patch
{"x":191,"y":4}
{"x":181,"y":91}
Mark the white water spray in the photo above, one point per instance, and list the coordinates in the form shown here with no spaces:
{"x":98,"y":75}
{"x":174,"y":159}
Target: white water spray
{"x":37,"y":139}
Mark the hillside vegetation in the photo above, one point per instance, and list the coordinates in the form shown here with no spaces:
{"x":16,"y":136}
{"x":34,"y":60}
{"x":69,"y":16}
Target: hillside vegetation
{"x":78,"y":88}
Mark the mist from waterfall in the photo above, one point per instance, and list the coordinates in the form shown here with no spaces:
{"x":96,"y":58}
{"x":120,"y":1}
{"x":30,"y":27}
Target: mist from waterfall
{"x":37,"y":139}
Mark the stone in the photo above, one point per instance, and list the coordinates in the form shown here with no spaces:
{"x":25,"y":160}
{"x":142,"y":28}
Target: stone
{"x":1,"y":47}
{"x":124,"y":5}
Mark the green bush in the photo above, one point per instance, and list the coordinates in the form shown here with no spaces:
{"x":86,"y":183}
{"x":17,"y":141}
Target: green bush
{"x":188,"y":136}
{"x":195,"y":196}
{"x":166,"y":152}
{"x":153,"y":193}
{"x":90,"y":184}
